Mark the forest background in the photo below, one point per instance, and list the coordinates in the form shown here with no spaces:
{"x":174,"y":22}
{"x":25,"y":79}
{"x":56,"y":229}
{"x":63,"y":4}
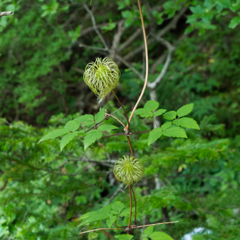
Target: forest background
{"x":194,"y":49}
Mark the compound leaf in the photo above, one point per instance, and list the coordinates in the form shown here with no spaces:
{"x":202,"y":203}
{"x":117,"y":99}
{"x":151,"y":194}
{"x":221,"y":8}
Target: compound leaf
{"x":100,"y":115}
{"x":187,"y":123}
{"x":154,"y":135}
{"x":166,"y":125}
{"x":185,"y":110}
{"x":84,"y":118}
{"x":160,"y":236}
{"x":175,"y":132}
{"x":94,"y":216}
{"x":151,"y":105}
{"x":170,"y":115}
{"x":66,"y":139}
{"x":144,"y":112}
{"x":106,"y":127}
{"x":91,"y":137}
{"x":111,"y":220}
{"x":159,"y":112}
{"x":54,"y":134}
{"x":117,"y":207}
{"x":148,"y":231}
{"x":72,"y":125}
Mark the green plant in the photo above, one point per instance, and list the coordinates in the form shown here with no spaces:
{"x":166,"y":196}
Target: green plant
{"x":102,"y":77}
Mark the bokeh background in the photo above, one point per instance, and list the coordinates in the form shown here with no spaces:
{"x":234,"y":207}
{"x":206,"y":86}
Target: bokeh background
{"x":194,"y":50}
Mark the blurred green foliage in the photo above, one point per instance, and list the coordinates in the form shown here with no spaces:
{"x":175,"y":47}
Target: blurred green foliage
{"x":44,"y":192}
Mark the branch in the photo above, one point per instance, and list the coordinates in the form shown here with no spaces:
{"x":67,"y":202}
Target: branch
{"x":6,"y":13}
{"x":115,"y":194}
{"x":130,"y":66}
{"x":106,"y":117}
{"x":99,"y":229}
{"x":171,"y":25}
{"x":171,"y":49}
{"x":91,"y":161}
{"x":116,"y":39}
{"x":95,"y":26}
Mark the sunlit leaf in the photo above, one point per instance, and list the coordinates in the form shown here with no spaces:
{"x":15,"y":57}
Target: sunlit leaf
{"x":154,"y":135}
{"x":186,"y":123}
{"x":72,"y":125}
{"x":54,"y":134}
{"x":106,"y":127}
{"x":100,"y":115}
{"x":159,"y":112}
{"x":151,"y":105}
{"x":185,"y":110}
{"x":160,"y":236}
{"x":66,"y":139}
{"x":175,"y":132}
{"x":170,"y":115}
{"x":91,"y":137}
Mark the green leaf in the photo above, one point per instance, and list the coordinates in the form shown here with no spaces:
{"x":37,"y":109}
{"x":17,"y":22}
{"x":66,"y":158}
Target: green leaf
{"x":160,"y":236}
{"x":106,"y":127}
{"x":148,"y":231}
{"x":144,"y":112}
{"x":144,"y":238}
{"x":94,"y":216}
{"x":54,"y":134}
{"x":117,"y":207}
{"x":185,"y":110}
{"x":72,"y":125}
{"x":148,"y":109}
{"x":175,"y":132}
{"x":91,"y":137}
{"x":66,"y":139}
{"x":159,"y":112}
{"x":166,"y":125}
{"x":234,"y":22}
{"x":187,"y":123}
{"x":151,"y":105}
{"x":100,"y":115}
{"x":84,"y":118}
{"x":126,"y":212}
{"x":170,"y":115}
{"x":124,"y":237}
{"x":111,"y":220}
{"x":154,"y":135}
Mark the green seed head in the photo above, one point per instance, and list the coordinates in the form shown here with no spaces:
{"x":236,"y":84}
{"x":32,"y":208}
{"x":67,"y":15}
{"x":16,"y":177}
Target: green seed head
{"x":128,"y":170}
{"x":102,"y":76}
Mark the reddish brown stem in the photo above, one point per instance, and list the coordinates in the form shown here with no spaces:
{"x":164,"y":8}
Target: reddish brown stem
{"x":130,"y":217}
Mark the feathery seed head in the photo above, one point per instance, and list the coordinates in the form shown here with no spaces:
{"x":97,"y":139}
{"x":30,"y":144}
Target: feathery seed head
{"x":102,"y":76}
{"x":128,"y":170}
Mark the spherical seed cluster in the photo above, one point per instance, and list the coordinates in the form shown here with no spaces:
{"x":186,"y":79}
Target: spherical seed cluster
{"x":102,"y":76}
{"x":128,"y":170}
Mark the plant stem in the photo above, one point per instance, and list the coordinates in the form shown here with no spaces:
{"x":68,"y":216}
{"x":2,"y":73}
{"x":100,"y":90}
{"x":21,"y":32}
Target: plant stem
{"x":146,"y":54}
{"x":115,"y":118}
{"x":130,"y":215}
{"x":123,"y":110}
{"x":135,"y":219}
{"x":130,"y":146}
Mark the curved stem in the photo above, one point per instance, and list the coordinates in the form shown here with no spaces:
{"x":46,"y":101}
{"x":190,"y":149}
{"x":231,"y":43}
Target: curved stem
{"x":115,"y":118}
{"x":130,"y":145}
{"x":146,"y":54}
